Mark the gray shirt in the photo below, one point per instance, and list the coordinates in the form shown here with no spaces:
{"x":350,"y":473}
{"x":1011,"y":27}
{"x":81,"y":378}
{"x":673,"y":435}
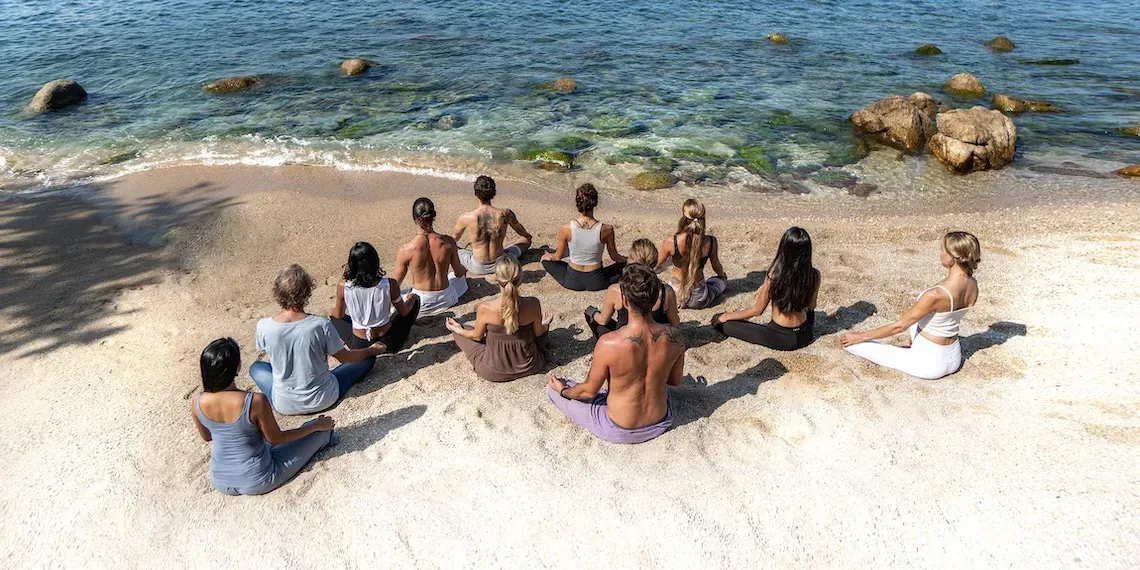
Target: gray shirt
{"x":299,"y":352}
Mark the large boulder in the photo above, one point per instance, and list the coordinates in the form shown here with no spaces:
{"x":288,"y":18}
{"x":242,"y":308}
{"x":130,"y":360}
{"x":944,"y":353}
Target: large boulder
{"x":964,"y":85}
{"x":927,"y":104}
{"x":778,"y":38}
{"x":1000,"y":43}
{"x":1132,"y":171}
{"x":900,"y":122}
{"x":231,"y":84}
{"x":928,"y":49}
{"x":970,"y":140}
{"x":356,"y":66}
{"x":57,"y":94}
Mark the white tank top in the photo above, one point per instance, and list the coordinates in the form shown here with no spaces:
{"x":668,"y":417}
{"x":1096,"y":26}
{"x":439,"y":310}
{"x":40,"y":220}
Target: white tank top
{"x":369,"y":307}
{"x":943,"y":325}
{"x":586,"y":245}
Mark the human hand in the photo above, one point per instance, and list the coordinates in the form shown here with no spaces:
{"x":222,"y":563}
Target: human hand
{"x":547,"y":318}
{"x":848,"y":339}
{"x":556,"y":384}
{"x":548,"y":257}
{"x":324,"y":423}
{"x":453,"y":325}
{"x":716,"y":319}
{"x":378,"y":348}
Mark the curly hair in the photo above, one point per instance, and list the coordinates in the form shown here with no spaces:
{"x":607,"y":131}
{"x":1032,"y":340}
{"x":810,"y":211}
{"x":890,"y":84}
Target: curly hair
{"x":485,"y":189}
{"x":586,"y":198}
{"x":640,"y":286}
{"x":292,"y":288}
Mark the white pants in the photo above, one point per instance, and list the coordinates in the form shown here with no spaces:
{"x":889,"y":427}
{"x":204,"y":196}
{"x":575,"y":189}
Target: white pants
{"x":435,"y":302}
{"x":923,"y":359}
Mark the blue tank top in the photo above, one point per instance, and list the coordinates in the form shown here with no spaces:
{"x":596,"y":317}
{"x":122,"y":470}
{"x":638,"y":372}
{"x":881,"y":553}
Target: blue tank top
{"x":240,"y":457}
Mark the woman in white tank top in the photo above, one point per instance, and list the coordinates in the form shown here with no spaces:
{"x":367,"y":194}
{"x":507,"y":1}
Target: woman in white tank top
{"x":584,"y":240}
{"x":369,"y":308}
{"x":933,"y":322}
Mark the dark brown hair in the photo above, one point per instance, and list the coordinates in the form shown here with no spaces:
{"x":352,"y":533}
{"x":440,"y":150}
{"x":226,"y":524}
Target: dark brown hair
{"x":586,"y":198}
{"x":485,"y":189}
{"x":640,"y":286}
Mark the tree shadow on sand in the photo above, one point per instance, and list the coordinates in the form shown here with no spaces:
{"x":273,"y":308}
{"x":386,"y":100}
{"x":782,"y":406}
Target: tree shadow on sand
{"x":64,"y":260}
{"x":362,"y":435}
{"x":997,"y":334}
{"x":696,"y":398}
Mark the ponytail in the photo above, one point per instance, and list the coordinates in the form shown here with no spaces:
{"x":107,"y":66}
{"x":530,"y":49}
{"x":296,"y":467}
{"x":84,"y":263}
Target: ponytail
{"x":692,"y":224}
{"x":507,"y":274}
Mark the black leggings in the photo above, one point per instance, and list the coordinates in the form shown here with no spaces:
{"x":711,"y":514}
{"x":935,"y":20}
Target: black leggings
{"x":395,"y":338}
{"x":574,"y":280}
{"x":771,"y":334}
{"x":597,"y":329}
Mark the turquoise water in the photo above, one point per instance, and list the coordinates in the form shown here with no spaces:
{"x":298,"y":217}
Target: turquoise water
{"x":668,"y":84}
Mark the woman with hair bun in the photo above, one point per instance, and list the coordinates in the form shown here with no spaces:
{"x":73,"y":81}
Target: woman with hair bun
{"x":690,"y":250}
{"x":583,"y":240}
{"x":934,"y":320}
{"x":504,"y":343}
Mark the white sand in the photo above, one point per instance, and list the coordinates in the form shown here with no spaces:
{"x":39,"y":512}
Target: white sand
{"x":1026,"y":458}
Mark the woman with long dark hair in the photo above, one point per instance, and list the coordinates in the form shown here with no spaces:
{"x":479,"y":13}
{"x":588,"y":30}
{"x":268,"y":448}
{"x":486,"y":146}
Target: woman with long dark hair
{"x":790,"y":288}
{"x":369,"y":308}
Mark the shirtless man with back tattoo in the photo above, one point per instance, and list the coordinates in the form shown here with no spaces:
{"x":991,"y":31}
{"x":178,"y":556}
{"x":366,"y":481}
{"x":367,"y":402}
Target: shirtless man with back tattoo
{"x":488,"y":227}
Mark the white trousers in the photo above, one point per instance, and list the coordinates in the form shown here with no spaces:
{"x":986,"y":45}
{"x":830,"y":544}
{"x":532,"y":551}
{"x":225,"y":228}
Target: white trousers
{"x":923,"y":359}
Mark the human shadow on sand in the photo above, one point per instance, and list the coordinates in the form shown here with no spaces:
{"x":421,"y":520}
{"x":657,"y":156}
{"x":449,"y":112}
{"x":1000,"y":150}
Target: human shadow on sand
{"x":749,"y":284}
{"x":393,"y":367}
{"x":997,"y":334}
{"x":564,"y":347}
{"x":844,"y":319}
{"x":362,"y":435}
{"x":696,"y":398}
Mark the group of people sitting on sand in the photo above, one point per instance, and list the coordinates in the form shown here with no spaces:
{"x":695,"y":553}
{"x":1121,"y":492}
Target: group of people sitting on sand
{"x":639,"y":350}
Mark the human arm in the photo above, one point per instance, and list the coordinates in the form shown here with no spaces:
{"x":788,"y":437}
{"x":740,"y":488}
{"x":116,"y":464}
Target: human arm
{"x":671,"y":310}
{"x":926,"y":304}
{"x":202,"y":431}
{"x":398,"y":303}
{"x":561,"y":248}
{"x":457,"y":266}
{"x":262,"y":415}
{"x":542,"y":326}
{"x":763,"y":298}
{"x":609,"y":236}
{"x":815,"y":291}
{"x":714,"y":257}
{"x":336,"y":347}
{"x":664,"y":252}
{"x":477,"y":332}
{"x":677,"y":374}
{"x":595,"y":379}
{"x":338,"y":310}
{"x":460,"y":228}
{"x":516,"y":225}
{"x":403,"y":259}
{"x":609,"y":306}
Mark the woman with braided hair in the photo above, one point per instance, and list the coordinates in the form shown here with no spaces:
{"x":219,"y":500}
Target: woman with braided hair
{"x":933,"y":322}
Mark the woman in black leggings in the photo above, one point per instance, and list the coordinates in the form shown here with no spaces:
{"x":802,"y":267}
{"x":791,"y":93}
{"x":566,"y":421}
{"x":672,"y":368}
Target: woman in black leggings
{"x":584,"y":240}
{"x":790,"y":287}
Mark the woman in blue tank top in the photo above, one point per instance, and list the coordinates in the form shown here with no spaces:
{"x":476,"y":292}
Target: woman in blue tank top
{"x":250,"y":454}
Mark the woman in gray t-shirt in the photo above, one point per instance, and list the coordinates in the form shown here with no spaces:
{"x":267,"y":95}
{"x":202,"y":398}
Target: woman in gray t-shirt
{"x":297,"y":379}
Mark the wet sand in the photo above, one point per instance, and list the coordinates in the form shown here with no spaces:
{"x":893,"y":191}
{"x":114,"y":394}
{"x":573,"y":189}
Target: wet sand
{"x":1025,"y":458}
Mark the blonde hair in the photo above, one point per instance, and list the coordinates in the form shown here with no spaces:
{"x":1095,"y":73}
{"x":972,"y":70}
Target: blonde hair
{"x":508,"y":273}
{"x":965,"y":249}
{"x":692,"y":223}
{"x":643,"y":252}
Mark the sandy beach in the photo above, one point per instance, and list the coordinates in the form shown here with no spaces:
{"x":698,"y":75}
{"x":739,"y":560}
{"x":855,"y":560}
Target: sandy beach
{"x":1026,"y":458}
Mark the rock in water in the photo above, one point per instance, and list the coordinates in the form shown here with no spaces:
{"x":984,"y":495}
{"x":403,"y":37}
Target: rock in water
{"x":1007,"y":104}
{"x":564,"y":85}
{"x":777,"y":38}
{"x":56,"y":94}
{"x":970,"y":140}
{"x":1000,"y":43}
{"x":965,"y":85}
{"x":1130,"y":171}
{"x":900,"y":122}
{"x":1134,"y":131}
{"x":927,"y":104}
{"x":928,"y":49}
{"x":653,"y":181}
{"x":1043,"y":107}
{"x":231,"y":84}
{"x":355,"y":66}
{"x":1049,"y":61}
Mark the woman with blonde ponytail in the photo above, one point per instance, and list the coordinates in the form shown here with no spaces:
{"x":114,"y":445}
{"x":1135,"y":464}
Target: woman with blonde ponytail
{"x":690,"y":249}
{"x":507,"y":339}
{"x":933,"y":322}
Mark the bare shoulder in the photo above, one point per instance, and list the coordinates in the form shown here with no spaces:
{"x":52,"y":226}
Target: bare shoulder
{"x":668,"y":334}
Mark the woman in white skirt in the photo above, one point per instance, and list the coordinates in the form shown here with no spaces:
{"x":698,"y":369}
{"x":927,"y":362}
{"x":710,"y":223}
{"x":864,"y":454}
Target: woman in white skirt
{"x":933,"y":321}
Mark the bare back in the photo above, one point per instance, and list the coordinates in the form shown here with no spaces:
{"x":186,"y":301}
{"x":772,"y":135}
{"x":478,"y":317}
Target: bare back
{"x":430,"y":256}
{"x":487,"y":227}
{"x":639,"y":360}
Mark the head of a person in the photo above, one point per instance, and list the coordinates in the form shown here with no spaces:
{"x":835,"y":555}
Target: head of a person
{"x":586,"y":198}
{"x":423,"y":212}
{"x":639,"y":288}
{"x":220,"y":362}
{"x":292,"y":288}
{"x":485,"y":189}
{"x":508,"y":275}
{"x":692,"y":217}
{"x":643,"y":252}
{"x":792,"y":277}
{"x":692,"y":222}
{"x":363,"y":266}
{"x":962,"y":249}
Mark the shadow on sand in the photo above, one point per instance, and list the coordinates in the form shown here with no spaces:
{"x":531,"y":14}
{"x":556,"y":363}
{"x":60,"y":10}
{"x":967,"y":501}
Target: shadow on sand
{"x":362,"y":435}
{"x":696,"y":398}
{"x":997,"y":334}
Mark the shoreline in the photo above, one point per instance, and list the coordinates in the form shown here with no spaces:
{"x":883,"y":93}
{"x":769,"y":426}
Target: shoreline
{"x":811,"y":457}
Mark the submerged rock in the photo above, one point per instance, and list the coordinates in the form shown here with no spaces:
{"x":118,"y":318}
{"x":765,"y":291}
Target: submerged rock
{"x":356,"y":66}
{"x":965,"y":85}
{"x":928,"y":49}
{"x":1134,"y":131}
{"x":121,"y":157}
{"x":231,"y":84}
{"x":970,"y":140}
{"x":561,"y":85}
{"x":653,"y":180}
{"x":1043,"y":107}
{"x":57,"y":94}
{"x":554,"y":160}
{"x":778,"y":38}
{"x":1130,"y":171}
{"x":755,"y":159}
{"x":1049,"y":61}
{"x":1008,"y":104}
{"x":1000,"y":43}
{"x":900,"y":122}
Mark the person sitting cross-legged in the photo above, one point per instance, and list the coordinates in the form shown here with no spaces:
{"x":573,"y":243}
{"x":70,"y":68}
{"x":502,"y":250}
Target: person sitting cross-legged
{"x":638,"y":361}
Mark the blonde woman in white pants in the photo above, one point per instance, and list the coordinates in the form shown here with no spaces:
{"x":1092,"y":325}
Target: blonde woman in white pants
{"x":933,"y":322}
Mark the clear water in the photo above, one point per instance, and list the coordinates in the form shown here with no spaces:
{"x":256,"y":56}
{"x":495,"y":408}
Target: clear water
{"x":694,"y":86}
